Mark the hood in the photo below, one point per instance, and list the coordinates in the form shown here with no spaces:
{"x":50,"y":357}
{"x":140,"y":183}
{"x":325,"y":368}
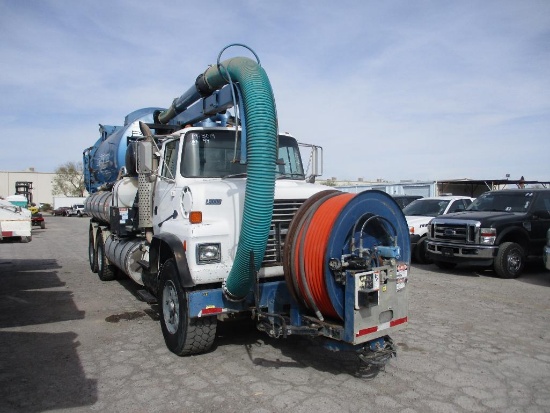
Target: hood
{"x":485,"y":217}
{"x":416,"y":220}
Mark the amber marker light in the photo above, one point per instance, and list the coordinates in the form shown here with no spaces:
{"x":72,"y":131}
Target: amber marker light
{"x":195,"y":217}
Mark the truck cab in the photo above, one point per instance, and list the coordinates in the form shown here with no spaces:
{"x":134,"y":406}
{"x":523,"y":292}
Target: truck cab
{"x":199,"y":195}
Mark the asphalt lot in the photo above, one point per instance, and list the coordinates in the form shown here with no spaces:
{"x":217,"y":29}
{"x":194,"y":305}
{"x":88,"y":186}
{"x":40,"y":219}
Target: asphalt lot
{"x":71,"y":343}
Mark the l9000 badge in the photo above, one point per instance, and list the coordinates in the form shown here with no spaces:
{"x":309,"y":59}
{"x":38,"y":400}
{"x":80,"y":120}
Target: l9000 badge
{"x":213,"y":202}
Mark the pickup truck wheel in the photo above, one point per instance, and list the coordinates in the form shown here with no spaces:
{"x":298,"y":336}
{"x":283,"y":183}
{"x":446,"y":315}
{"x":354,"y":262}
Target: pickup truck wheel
{"x":444,"y":265}
{"x":105,"y":271}
{"x":92,"y":252}
{"x":183,"y":335}
{"x":510,"y":260}
{"x":420,"y":254}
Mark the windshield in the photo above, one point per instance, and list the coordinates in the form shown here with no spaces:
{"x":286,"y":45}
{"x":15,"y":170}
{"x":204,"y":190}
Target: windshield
{"x":211,"y":154}
{"x":503,"y":201}
{"x":426,"y":207}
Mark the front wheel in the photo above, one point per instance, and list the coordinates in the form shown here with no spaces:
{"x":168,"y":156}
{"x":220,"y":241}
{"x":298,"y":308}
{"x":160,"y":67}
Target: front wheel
{"x":510,"y":260}
{"x":420,"y":254}
{"x":183,"y":335}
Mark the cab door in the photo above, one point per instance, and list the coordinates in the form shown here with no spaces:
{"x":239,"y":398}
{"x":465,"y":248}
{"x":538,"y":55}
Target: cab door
{"x":540,"y":222}
{"x":166,"y":198}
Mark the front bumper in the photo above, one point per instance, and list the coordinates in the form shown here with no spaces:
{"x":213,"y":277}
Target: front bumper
{"x":461,"y":253}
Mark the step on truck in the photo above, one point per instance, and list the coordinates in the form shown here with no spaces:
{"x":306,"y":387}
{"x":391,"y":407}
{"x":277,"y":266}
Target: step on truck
{"x":207,"y":206}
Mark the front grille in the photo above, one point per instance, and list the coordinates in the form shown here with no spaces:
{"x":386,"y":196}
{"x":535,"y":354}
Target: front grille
{"x":283,"y":212}
{"x":455,"y":232}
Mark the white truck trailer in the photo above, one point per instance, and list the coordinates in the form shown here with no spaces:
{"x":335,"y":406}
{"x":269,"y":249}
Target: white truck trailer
{"x":15,"y":222}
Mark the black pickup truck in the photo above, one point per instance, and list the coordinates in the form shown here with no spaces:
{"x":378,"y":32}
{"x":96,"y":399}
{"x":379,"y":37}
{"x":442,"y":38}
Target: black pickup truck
{"x":500,"y":229}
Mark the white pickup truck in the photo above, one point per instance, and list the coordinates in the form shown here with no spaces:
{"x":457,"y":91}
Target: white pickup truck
{"x":420,"y":212}
{"x":77,"y":210}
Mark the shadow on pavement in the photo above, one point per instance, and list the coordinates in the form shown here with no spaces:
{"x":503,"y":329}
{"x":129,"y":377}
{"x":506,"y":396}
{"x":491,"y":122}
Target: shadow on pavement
{"x":38,"y":370}
{"x":298,"y":351}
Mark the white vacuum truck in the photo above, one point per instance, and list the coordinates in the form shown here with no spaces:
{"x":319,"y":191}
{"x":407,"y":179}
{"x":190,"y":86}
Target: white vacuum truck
{"x":208,"y":207}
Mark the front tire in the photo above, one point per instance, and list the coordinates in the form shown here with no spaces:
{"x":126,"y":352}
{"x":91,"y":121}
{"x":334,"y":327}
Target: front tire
{"x":420,"y":254}
{"x":183,"y":335}
{"x":510,"y":260}
{"x":105,"y":271}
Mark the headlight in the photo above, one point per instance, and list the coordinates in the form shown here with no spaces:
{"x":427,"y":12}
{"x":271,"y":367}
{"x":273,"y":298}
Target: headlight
{"x":488,"y":236}
{"x":208,"y":253}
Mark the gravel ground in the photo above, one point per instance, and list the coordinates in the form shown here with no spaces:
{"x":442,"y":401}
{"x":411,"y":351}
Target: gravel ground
{"x":71,"y":343}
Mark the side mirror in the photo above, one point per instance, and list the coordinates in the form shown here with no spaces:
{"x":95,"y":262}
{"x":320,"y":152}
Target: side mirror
{"x":315,"y":161}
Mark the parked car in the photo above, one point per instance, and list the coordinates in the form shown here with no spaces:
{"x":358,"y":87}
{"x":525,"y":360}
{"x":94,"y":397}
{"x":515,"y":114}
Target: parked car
{"x":546,"y":255}
{"x":404,"y":200}
{"x":61,"y":211}
{"x":419,"y":213}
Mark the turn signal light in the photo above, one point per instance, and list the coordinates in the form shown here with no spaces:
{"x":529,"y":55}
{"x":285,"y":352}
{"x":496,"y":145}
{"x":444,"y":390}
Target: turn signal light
{"x":195,"y":217}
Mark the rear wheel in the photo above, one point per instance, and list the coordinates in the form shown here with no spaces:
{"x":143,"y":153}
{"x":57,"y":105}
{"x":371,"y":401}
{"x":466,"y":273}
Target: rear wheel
{"x":43,"y":225}
{"x":183,"y":335}
{"x":510,"y":260}
{"x":105,"y":271}
{"x":92,"y":252}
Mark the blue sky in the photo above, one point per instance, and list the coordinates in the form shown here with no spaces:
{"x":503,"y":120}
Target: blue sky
{"x":420,"y":90}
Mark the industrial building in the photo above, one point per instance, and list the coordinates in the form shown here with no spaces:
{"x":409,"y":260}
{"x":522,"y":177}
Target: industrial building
{"x":42,"y":184}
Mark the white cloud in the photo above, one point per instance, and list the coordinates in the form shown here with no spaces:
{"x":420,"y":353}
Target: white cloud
{"x":394,"y":90}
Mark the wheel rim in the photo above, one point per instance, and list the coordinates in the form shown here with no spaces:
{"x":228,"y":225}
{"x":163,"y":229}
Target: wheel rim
{"x":170,"y":307}
{"x":100,"y":258}
{"x":514,"y":262}
{"x":91,"y":253}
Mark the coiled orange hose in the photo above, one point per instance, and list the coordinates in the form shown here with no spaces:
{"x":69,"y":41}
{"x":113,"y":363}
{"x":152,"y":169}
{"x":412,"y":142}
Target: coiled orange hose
{"x":314,"y":246}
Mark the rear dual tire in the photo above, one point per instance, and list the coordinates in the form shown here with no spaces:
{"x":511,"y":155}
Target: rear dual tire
{"x":105,"y":270}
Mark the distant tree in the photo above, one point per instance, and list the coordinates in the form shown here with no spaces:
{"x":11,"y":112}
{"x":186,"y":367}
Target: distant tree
{"x":69,"y":180}
{"x":329,"y":182}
